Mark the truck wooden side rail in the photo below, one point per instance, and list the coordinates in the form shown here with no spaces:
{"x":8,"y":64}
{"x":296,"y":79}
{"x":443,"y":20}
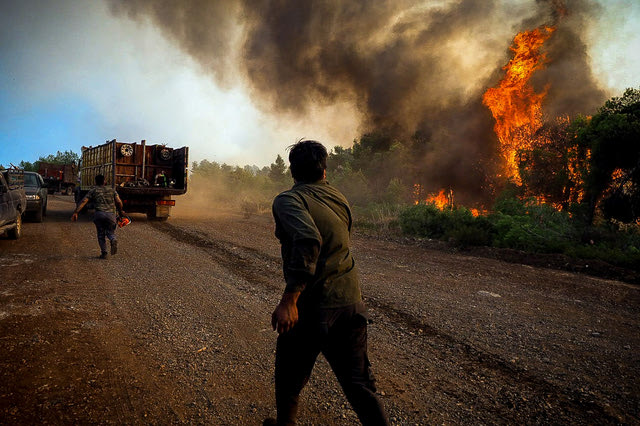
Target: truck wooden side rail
{"x":145,"y":176}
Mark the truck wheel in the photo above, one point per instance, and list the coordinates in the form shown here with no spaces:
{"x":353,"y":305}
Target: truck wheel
{"x":16,"y":232}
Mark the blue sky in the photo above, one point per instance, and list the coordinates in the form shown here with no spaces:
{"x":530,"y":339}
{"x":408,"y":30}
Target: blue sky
{"x":71,"y":74}
{"x":63,"y":121}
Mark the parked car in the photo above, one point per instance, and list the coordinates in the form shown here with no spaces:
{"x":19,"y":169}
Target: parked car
{"x":12,"y":202}
{"x":36,"y":191}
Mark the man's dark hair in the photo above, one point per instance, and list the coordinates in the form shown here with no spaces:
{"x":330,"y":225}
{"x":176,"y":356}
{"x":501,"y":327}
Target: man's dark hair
{"x":99,"y":180}
{"x":308,"y":160}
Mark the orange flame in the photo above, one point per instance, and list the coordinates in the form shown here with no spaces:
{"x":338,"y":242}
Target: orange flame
{"x":417,"y":193}
{"x":478,"y":212}
{"x":441,"y":200}
{"x":514,"y":104}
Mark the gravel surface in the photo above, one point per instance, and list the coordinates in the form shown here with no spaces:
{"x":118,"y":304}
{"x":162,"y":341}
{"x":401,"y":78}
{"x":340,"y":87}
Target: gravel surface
{"x":175,"y":329}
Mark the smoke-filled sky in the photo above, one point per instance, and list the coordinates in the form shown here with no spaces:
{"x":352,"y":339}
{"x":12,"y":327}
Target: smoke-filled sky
{"x":239,"y":81}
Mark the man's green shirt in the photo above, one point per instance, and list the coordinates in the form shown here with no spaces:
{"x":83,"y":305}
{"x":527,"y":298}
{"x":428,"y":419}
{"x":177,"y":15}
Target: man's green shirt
{"x":313,"y":224}
{"x":103,"y":198}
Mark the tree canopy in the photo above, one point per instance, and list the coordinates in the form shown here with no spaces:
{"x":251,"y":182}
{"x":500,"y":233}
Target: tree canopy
{"x":594,"y":162}
{"x":613,"y":136}
{"x":66,"y":157}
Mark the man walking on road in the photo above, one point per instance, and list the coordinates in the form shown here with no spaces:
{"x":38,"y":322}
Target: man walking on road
{"x":105,"y":200}
{"x":321,"y":309}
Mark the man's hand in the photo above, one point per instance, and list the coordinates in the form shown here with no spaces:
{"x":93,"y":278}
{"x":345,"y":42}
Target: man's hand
{"x":79,"y":207}
{"x":285,"y":316}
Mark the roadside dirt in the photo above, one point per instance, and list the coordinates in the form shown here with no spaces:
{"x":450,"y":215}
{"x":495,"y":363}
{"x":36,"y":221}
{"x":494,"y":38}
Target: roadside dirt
{"x":175,"y":329}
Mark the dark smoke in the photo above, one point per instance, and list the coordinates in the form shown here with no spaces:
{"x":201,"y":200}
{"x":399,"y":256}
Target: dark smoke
{"x":573,"y":88}
{"x":409,"y":67}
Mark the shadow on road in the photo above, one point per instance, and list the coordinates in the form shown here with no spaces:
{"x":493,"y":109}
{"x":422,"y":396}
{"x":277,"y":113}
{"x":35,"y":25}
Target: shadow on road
{"x":59,"y":209}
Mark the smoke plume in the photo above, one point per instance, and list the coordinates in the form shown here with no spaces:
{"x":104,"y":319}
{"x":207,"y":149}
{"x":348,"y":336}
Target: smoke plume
{"x":408,"y":67}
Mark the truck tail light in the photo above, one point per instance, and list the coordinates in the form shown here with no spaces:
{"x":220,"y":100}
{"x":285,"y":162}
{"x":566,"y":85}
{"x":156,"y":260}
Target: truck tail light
{"x":166,"y":202}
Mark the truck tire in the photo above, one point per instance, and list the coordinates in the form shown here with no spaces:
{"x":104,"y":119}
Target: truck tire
{"x":16,"y":232}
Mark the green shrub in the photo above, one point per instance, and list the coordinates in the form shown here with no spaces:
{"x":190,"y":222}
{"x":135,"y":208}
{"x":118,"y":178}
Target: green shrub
{"x":470,"y":235}
{"x":510,"y":207}
{"x":619,"y":247}
{"x":532,"y":226}
{"x":423,"y":220}
{"x":457,"y":225}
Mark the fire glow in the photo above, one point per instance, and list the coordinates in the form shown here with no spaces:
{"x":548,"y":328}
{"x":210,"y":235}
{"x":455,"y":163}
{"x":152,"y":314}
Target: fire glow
{"x":515,"y":105}
{"x":443,"y":200}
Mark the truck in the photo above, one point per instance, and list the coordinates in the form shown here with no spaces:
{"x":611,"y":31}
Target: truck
{"x":59,"y":177}
{"x":13,"y":202}
{"x":145,"y":176}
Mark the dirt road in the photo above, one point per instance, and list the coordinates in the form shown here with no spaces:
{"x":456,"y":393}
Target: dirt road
{"x":175,"y":329}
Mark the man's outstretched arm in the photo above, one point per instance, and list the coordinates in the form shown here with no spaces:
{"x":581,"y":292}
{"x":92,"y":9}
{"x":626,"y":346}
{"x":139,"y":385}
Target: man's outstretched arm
{"x":79,"y":208}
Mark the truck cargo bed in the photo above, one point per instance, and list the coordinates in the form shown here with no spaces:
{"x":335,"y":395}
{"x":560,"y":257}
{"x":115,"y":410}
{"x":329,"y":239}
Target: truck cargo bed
{"x":136,"y":166}
{"x":145,"y":176}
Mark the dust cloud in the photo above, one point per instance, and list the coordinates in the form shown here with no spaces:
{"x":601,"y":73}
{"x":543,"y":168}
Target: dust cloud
{"x":202,"y":201}
{"x":210,"y":197}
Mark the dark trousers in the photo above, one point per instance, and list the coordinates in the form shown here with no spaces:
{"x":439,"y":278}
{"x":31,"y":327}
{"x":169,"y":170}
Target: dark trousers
{"x":341,"y":336}
{"x":105,"y":228}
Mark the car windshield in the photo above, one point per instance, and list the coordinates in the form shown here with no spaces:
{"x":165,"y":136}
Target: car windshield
{"x":30,"y":180}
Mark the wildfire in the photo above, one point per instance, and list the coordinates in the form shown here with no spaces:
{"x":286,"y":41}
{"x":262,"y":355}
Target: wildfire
{"x":514,"y":104}
{"x":441,"y":200}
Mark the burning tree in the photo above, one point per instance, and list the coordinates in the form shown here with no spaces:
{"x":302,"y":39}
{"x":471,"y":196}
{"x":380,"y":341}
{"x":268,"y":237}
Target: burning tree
{"x":554,"y":164}
{"x":515,"y":105}
{"x":613,"y":180}
{"x":594,"y":162}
